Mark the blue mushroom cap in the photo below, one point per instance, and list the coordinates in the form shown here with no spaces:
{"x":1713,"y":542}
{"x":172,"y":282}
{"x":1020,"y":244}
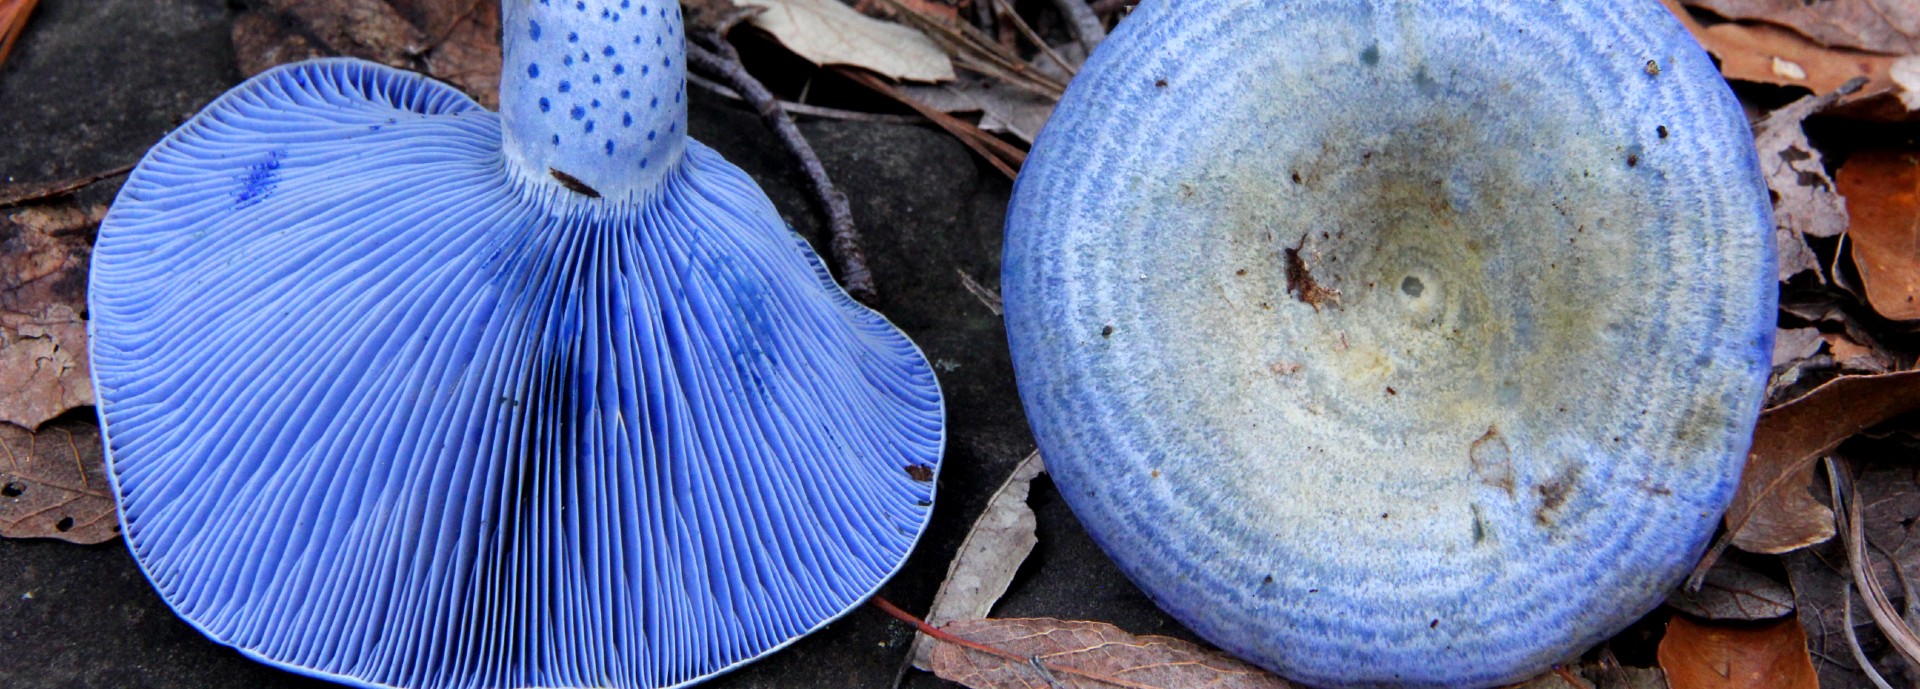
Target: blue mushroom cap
{"x":1395,"y":343}
{"x":390,"y":402}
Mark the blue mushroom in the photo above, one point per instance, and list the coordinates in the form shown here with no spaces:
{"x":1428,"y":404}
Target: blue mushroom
{"x":400,"y":392}
{"x":1395,"y":343}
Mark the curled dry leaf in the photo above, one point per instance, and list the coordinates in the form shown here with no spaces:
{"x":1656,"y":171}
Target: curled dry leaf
{"x":1773,"y":511}
{"x":1805,"y":203}
{"x":1857,"y":357}
{"x":1773,"y":55}
{"x":1773,"y":655}
{"x":1733,"y":591}
{"x":1883,"y":202}
{"x":53,"y":483}
{"x":1891,"y":27}
{"x":1000,"y":540}
{"x":1086,"y":655}
{"x":826,"y":32}
{"x":43,"y":293}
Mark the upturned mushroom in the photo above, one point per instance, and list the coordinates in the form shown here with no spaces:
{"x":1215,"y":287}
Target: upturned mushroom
{"x":400,"y":392}
{"x":1395,"y":343}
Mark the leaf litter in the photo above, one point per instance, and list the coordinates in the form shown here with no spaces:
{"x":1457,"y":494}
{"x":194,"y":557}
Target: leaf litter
{"x":53,"y":483}
{"x":1000,"y":540}
{"x":1821,"y":47}
{"x":44,"y":371}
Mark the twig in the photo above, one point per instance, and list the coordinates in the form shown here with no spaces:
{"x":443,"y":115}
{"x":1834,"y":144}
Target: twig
{"x":1846,"y":512}
{"x":1002,"y":155}
{"x":1084,"y":23}
{"x":793,"y":108}
{"x":974,"y":51}
{"x":1853,"y":640}
{"x":18,"y":194}
{"x":1034,"y":37}
{"x":1044,"y":669}
{"x":719,"y":59}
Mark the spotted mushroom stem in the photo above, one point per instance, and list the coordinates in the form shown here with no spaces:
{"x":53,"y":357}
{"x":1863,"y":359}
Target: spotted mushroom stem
{"x":593,"y":94}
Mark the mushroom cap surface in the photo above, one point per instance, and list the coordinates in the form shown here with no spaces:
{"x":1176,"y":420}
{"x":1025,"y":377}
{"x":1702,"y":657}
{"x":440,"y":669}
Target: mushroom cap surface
{"x":384,"y":409}
{"x":1393,"y":343}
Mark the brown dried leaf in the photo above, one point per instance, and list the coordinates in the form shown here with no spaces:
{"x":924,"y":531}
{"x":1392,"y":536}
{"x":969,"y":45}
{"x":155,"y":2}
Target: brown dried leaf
{"x":1883,"y":201}
{"x":366,"y":29}
{"x":53,"y":483}
{"x":1773,"y":511}
{"x":43,"y":290}
{"x":1819,"y":577}
{"x":1773,"y":55}
{"x":1733,"y":591}
{"x":1856,"y":357}
{"x":1804,"y":202}
{"x":469,"y":54}
{"x":1000,"y":540}
{"x":13,"y":22}
{"x":262,"y":41}
{"x":826,"y":32}
{"x":1626,"y":677}
{"x":1879,"y":26}
{"x":1707,"y":656}
{"x":1002,"y":110}
{"x":1074,"y":653}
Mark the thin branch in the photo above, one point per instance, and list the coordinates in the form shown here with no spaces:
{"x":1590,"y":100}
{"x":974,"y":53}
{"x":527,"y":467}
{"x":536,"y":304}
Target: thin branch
{"x":18,"y":194}
{"x":1034,"y":38}
{"x":719,"y":59}
{"x":793,"y":108}
{"x":1084,"y":23}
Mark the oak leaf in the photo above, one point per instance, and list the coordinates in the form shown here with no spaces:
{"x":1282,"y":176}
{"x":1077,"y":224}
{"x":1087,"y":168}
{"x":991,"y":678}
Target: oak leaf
{"x":1709,"y":656}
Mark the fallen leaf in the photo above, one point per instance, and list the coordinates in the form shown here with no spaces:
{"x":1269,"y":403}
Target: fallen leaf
{"x":366,"y":29}
{"x":1883,"y":202}
{"x":1819,"y":578}
{"x":1773,"y":55}
{"x":1075,"y":653}
{"x":1003,"y":110}
{"x":826,"y":32}
{"x":1626,"y":677}
{"x":1712,"y":656}
{"x":1733,"y":591}
{"x":1855,"y":357}
{"x":53,"y":483}
{"x":44,"y":369}
{"x":1795,"y":344}
{"x":1773,"y":511}
{"x":1875,"y":26}
{"x":1795,"y":352}
{"x":13,"y":22}
{"x":1558,"y":678}
{"x":463,"y":43}
{"x":1804,"y":201}
{"x":1000,"y":540}
{"x":457,"y":41}
{"x":262,"y":41}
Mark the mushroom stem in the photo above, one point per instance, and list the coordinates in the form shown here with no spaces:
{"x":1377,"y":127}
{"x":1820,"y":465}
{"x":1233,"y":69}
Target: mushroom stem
{"x":594,"y":90}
